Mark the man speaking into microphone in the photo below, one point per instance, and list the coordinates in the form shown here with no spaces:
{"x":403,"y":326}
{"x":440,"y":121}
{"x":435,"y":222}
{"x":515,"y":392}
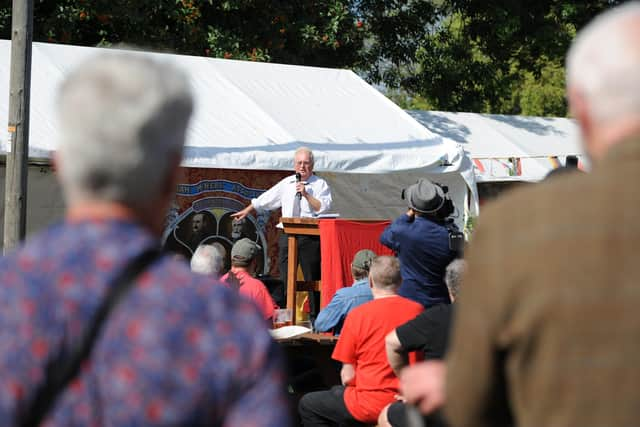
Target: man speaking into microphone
{"x":302,"y":195}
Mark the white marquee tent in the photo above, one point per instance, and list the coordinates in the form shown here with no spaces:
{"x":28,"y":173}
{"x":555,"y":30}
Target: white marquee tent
{"x":253,"y":115}
{"x":507,"y":148}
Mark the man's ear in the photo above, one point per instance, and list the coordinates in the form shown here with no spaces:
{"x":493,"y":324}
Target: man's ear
{"x":55,"y":164}
{"x":579,"y":107}
{"x":171,"y":181}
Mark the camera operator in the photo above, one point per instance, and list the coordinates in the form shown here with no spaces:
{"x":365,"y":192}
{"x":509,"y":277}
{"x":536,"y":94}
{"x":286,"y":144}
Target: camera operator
{"x":423,"y":239}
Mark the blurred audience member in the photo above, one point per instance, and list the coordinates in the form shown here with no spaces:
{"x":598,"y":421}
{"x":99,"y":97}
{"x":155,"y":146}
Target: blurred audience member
{"x":546,"y":334}
{"x":208,"y":260}
{"x":174,"y":351}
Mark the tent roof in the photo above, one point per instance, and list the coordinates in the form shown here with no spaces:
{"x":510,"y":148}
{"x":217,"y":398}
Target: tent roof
{"x":492,"y":139}
{"x":253,"y":115}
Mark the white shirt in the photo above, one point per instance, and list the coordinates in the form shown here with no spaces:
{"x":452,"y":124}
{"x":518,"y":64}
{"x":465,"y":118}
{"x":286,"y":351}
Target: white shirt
{"x":282,"y":195}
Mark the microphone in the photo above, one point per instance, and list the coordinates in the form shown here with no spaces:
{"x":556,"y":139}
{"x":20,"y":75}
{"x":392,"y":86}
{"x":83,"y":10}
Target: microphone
{"x":298,"y":179}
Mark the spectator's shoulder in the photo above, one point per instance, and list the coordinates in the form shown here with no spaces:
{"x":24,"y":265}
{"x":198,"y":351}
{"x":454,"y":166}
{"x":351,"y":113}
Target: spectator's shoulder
{"x":211,"y":296}
{"x":410,"y":304}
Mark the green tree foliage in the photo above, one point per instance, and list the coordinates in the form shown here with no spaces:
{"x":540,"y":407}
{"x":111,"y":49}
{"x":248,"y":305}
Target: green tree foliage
{"x":500,"y":56}
{"x":314,"y":32}
{"x":497,"y":56}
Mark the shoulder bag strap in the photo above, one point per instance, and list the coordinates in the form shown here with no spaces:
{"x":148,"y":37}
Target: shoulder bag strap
{"x":61,"y":370}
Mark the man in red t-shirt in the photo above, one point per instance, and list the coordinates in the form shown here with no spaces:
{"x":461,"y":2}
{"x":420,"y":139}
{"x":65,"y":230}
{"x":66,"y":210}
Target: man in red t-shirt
{"x":243,"y":263}
{"x":368,"y":382}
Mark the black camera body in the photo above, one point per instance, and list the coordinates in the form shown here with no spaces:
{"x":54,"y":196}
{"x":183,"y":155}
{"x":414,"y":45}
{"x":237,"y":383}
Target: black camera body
{"x":456,"y":237}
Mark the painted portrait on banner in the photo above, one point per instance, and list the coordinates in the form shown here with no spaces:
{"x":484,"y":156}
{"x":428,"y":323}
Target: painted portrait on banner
{"x":201,"y":213}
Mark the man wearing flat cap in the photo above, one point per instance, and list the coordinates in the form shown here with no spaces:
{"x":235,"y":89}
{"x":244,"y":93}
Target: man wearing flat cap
{"x":332,"y":316}
{"x":421,"y":241}
{"x":243,"y":264}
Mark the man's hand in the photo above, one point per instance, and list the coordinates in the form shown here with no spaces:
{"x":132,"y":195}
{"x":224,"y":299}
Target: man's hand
{"x":347,"y":373}
{"x":301,"y":189}
{"x":411,"y":213}
{"x":243,"y":213}
{"x":396,"y":355}
{"x":423,"y":385}
{"x":313,"y":202}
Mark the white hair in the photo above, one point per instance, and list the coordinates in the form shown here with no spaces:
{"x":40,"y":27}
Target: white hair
{"x":306,"y":150}
{"x":207,"y":259}
{"x":453,"y":275}
{"x":604,"y":63}
{"x":123,"y":119}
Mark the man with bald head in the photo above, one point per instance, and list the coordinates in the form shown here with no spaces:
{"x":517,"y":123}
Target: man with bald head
{"x":546,"y":331}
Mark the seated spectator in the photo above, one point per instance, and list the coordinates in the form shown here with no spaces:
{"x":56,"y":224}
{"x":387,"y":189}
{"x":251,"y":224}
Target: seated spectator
{"x":429,"y":332}
{"x":208,"y":260}
{"x":332,"y":316}
{"x":243,"y":265}
{"x":368,"y":382}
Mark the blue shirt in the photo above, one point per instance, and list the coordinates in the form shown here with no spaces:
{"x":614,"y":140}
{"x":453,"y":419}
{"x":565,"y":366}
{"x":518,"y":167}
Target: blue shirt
{"x":332,"y":316}
{"x":176,"y":350}
{"x":422,"y":246}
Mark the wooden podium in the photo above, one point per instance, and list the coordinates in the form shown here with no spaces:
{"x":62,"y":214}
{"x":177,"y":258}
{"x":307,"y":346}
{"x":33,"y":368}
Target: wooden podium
{"x":298,"y":227}
{"x":310,"y":227}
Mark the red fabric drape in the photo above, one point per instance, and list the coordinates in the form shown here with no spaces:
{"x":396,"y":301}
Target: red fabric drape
{"x":340,"y":239}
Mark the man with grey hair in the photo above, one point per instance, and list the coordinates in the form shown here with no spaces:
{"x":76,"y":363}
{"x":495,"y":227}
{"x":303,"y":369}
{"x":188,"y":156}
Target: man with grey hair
{"x":546,"y":334}
{"x":368,"y":382}
{"x":208,"y":260}
{"x":428,"y":333}
{"x":174,"y":350}
{"x":303,"y":195}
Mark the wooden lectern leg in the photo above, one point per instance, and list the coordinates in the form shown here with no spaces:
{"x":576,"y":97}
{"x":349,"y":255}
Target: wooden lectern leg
{"x":292,"y":276}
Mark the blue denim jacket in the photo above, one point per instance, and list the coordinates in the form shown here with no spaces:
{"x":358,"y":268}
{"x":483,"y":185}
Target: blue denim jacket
{"x":333,"y":315}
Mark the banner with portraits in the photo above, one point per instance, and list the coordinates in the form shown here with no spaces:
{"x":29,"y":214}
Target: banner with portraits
{"x":201,"y":213}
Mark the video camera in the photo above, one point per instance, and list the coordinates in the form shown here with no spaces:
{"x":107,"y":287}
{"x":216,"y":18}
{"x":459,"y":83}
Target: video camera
{"x":456,"y":237}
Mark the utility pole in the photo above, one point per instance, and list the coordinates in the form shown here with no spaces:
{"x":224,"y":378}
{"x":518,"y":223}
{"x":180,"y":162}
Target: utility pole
{"x":15,"y":192}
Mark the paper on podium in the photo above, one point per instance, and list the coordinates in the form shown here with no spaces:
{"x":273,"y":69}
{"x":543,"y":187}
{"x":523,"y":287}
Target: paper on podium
{"x":288,"y":332}
{"x":328,"y":215}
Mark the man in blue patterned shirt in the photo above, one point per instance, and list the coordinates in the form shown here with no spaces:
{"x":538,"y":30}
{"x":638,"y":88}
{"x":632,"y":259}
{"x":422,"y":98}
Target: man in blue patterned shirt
{"x":176,"y":350}
{"x":332,"y":316}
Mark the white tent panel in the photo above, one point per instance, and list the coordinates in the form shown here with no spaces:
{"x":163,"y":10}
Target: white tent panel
{"x":505,"y":148}
{"x":253,"y":115}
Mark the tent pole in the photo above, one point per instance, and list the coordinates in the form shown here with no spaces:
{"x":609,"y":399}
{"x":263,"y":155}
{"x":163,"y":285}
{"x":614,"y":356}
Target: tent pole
{"x":15,"y":194}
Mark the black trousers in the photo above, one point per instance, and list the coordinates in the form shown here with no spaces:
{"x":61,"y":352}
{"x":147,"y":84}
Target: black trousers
{"x":326,"y":408}
{"x":309,"y":260}
{"x":401,"y":415}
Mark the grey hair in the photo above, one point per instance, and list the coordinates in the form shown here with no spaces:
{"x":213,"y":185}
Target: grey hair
{"x":123,"y":120}
{"x":207,"y":259}
{"x":453,"y":275}
{"x":305,"y":150}
{"x":385,"y":272}
{"x":603,"y":63}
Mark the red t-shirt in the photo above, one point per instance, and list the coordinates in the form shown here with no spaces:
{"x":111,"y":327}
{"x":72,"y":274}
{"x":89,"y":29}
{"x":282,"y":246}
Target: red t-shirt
{"x":255,"y":290}
{"x":361,"y":344}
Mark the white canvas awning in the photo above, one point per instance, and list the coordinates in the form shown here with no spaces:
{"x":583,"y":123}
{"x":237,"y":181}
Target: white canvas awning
{"x":505,"y":148}
{"x":253,"y":115}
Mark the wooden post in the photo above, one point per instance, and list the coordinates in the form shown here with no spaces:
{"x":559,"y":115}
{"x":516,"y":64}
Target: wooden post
{"x":15,"y":193}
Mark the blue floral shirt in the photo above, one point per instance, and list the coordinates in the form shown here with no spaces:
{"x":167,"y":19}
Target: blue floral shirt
{"x":176,"y":351}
